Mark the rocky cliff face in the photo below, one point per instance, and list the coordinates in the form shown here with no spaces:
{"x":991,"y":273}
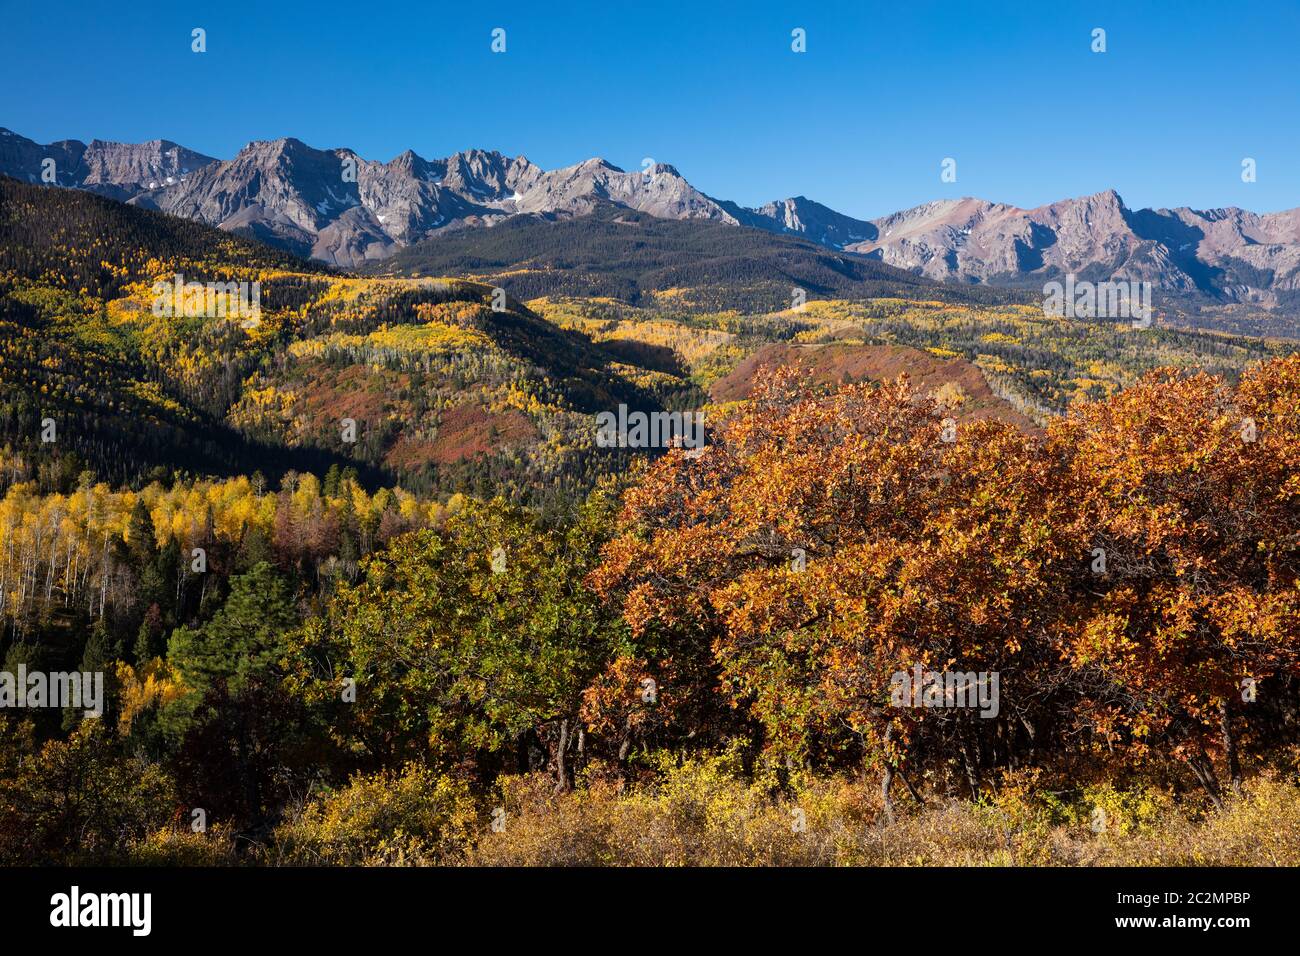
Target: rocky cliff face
{"x":338,"y":207}
{"x":117,"y":170}
{"x":123,"y":169}
{"x":1228,"y":254}
{"x":972,"y":239}
{"x":813,"y":221}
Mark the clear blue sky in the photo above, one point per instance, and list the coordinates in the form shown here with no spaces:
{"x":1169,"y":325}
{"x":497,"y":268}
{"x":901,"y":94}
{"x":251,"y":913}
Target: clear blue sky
{"x":860,"y":122}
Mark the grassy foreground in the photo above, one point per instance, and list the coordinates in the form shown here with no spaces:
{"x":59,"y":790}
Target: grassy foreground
{"x":701,"y":813}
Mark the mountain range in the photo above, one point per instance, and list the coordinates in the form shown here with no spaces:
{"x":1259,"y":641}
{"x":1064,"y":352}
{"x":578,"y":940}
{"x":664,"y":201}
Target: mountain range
{"x":339,"y":208}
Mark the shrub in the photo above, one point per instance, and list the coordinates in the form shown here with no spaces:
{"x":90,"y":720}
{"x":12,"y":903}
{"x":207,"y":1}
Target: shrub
{"x":414,"y":817}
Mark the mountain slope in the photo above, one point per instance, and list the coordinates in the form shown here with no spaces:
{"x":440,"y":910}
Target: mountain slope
{"x":444,"y":391}
{"x":1227,"y":255}
{"x":628,"y":255}
{"x":86,"y":242}
{"x":335,"y":206}
{"x":117,"y":170}
{"x":953,"y":381}
{"x":807,"y":219}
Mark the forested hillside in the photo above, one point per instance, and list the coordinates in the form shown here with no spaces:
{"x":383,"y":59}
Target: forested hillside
{"x":364,"y":588}
{"x":628,"y":255}
{"x":444,"y":391}
{"x":96,"y":246}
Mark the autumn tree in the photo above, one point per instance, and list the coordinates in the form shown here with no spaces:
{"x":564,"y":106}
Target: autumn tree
{"x":826,"y":541}
{"x":1186,"y":527}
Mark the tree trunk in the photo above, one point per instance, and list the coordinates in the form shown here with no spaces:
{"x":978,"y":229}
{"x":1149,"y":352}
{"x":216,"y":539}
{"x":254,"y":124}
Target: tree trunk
{"x":244,"y":763}
{"x":1230,"y":748}
{"x":972,"y":772}
{"x":887,"y":779}
{"x":910,"y":789}
{"x":521,"y":753}
{"x":561,"y":772}
{"x":1201,"y":766}
{"x":624,"y":748}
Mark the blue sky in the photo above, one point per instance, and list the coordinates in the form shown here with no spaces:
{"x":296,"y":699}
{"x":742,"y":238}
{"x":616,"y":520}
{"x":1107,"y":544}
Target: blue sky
{"x":861,"y":121}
